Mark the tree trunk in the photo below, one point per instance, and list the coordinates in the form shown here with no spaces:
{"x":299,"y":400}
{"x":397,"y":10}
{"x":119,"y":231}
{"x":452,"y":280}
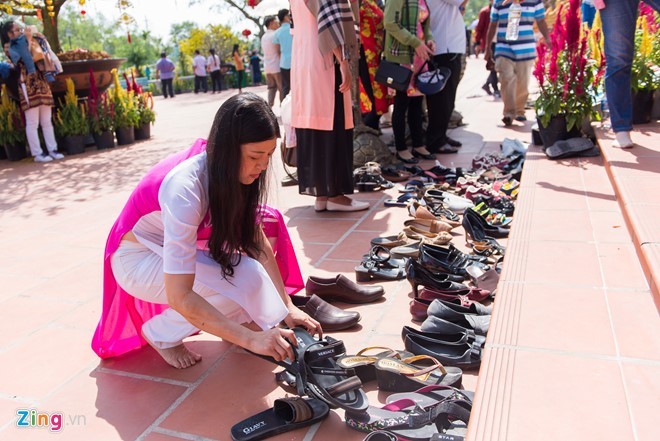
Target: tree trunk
{"x":50,"y":28}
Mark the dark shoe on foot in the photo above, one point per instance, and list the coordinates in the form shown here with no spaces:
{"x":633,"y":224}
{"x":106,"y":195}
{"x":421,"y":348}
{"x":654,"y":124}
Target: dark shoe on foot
{"x":419,"y":155}
{"x":407,"y":161}
{"x":521,"y":118}
{"x":486,"y":89}
{"x":453,"y":142}
{"x":342,"y":289}
{"x":507,"y":121}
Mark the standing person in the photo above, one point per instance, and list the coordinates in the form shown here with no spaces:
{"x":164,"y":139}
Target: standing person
{"x":199,"y":68}
{"x":240,"y":68}
{"x":619,"y":18}
{"x":408,"y":41}
{"x":284,"y":40}
{"x":165,"y":71}
{"x":480,"y":33}
{"x":213,"y":66}
{"x":272,"y":60}
{"x":255,"y":67}
{"x":448,"y":30}
{"x":321,"y":105}
{"x":374,"y":101}
{"x":34,"y":93}
{"x":514,"y":58}
{"x":189,"y":251}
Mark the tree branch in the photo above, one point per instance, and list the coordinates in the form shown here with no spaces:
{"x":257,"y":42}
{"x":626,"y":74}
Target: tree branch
{"x":233,"y":4}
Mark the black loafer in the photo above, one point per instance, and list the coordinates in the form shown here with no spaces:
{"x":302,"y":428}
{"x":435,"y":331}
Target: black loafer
{"x":407,"y":161}
{"x":453,"y":142}
{"x":419,"y":155}
{"x":463,"y":355}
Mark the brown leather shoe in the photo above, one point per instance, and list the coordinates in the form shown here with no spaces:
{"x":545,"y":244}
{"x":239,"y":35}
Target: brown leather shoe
{"x":342,"y":289}
{"x":330,"y":317}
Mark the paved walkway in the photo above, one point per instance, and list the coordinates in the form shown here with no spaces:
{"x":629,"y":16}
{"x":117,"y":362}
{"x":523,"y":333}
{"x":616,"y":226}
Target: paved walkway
{"x":53,"y":225}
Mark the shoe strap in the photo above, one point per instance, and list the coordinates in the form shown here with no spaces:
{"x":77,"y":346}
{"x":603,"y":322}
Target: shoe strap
{"x":293,"y":409}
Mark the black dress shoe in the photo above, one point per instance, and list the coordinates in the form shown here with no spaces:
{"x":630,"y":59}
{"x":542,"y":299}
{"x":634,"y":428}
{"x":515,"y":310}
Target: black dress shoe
{"x":407,"y":161}
{"x":436,"y":259}
{"x":453,"y":142}
{"x":462,"y":355}
{"x":342,"y":289}
{"x":330,"y":317}
{"x":417,"y":154}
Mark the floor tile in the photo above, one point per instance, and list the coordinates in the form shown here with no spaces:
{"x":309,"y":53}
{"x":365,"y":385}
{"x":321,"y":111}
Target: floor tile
{"x":609,"y":227}
{"x":542,"y":384}
{"x":578,"y":318}
{"x":322,"y":230}
{"x":644,"y":219}
{"x":353,"y":246}
{"x":636,"y":324}
{"x":621,"y":267}
{"x":544,"y":226}
{"x":577,"y":263}
{"x":40,"y":311}
{"x":643,"y":383}
{"x":26,"y":379}
{"x":553,"y":196}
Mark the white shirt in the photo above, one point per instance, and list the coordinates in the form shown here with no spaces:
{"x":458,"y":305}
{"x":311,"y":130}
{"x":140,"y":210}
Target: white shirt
{"x":271,"y":55}
{"x":213,"y":62}
{"x":184,"y":202}
{"x":447,"y":26}
{"x":199,"y":65}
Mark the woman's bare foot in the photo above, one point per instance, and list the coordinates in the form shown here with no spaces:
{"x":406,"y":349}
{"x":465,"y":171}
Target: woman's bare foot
{"x":179,"y":356}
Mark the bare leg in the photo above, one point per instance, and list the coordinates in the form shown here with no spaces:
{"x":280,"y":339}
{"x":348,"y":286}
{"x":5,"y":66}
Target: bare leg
{"x":179,"y":357}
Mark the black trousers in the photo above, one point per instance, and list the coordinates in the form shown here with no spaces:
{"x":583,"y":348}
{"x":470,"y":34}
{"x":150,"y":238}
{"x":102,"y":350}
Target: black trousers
{"x":412,"y":105}
{"x":216,"y":82}
{"x":286,"y":82}
{"x":200,"y":83}
{"x":370,"y":119}
{"x":166,"y":85}
{"x":441,"y":104}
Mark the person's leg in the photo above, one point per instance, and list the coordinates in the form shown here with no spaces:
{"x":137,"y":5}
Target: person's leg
{"x":170,"y":86}
{"x":401,"y":101}
{"x":280,"y":87}
{"x":32,"y":133}
{"x":415,"y":121}
{"x":286,"y":81}
{"x":197,"y":84}
{"x":492,"y":80}
{"x":441,"y":104}
{"x":205,"y":83}
{"x":163,"y":87}
{"x":504,"y":68}
{"x":523,"y":71}
{"x":619,"y":18}
{"x":248,"y":295}
{"x":213,"y":82}
{"x":271,"y":85}
{"x":46,"y":122}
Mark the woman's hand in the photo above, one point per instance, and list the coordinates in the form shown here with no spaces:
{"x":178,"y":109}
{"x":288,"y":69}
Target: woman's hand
{"x":275,"y":342}
{"x":298,"y":318}
{"x":432,"y":46}
{"x":346,"y":77}
{"x":423,"y":52}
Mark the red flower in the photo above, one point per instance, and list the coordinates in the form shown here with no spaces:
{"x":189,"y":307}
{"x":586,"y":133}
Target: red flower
{"x":573,"y":25}
{"x":128,"y":83}
{"x":539,"y":68}
{"x":246,"y":33}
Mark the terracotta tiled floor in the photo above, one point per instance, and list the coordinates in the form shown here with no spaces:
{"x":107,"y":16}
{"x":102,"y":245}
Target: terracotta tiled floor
{"x":574,"y":351}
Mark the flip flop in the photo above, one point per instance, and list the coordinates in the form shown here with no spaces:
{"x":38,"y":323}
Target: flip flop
{"x":430,"y":395}
{"x":406,"y":376}
{"x":286,"y":415}
{"x":364,"y":365}
{"x":401,"y":201}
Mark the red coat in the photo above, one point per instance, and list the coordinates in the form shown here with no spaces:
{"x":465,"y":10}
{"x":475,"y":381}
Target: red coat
{"x":481,"y":31}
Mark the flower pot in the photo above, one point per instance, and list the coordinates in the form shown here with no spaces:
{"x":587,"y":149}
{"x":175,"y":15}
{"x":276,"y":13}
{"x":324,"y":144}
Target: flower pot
{"x":642,"y":105}
{"x":104,"y":140}
{"x":556,"y":131}
{"x":72,"y":145}
{"x":15,"y":152}
{"x":655,"y":113}
{"x":143,"y":132}
{"x":125,"y":135}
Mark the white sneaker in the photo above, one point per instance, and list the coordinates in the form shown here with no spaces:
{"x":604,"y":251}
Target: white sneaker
{"x":623,"y":141}
{"x":510,"y":146}
{"x":56,"y":155}
{"x":42,"y":158}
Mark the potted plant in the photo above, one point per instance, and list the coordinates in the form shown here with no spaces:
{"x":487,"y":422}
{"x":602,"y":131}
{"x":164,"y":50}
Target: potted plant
{"x":71,"y":122}
{"x":126,"y":116}
{"x":145,"y":105}
{"x":100,"y":116}
{"x":645,"y":77}
{"x":12,"y":128}
{"x":569,"y":73}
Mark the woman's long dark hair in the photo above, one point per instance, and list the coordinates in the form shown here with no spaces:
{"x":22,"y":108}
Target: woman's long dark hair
{"x":5,"y":27}
{"x":242,"y":119}
{"x":233,"y":51}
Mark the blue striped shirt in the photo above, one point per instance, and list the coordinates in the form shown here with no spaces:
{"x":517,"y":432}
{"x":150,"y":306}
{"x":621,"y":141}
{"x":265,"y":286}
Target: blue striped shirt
{"x":524,"y":48}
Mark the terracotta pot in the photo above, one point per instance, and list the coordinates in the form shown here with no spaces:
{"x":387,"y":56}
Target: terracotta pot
{"x":78,"y":71}
{"x":125,"y":135}
{"x":143,"y":132}
{"x":104,"y":140}
{"x":72,"y":145}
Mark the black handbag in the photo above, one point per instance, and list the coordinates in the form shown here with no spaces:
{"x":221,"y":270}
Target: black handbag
{"x":393,"y":75}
